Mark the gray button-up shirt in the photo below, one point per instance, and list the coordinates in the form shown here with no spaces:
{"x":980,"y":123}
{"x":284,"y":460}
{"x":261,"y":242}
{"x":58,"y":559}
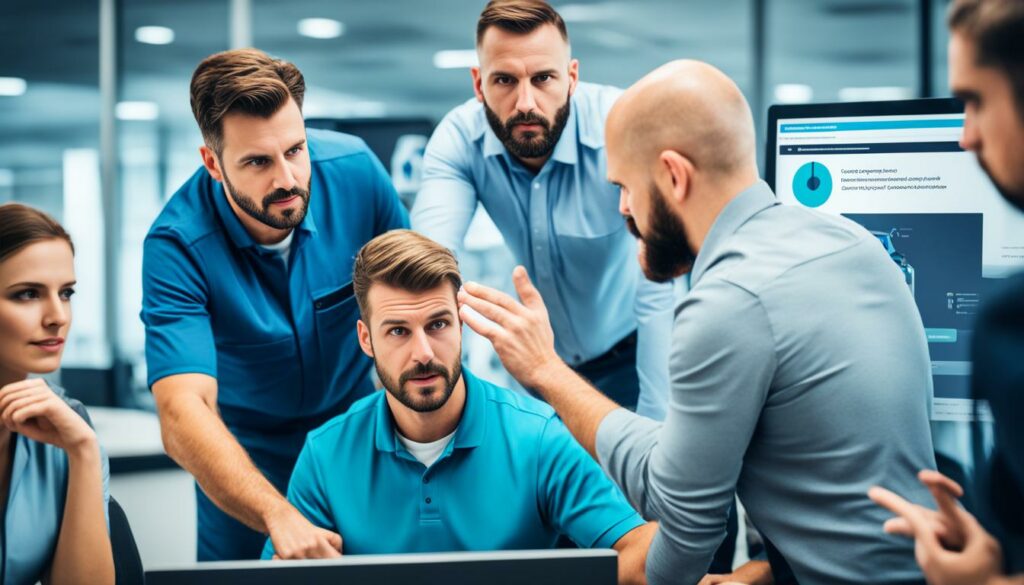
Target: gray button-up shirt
{"x":800,"y":377}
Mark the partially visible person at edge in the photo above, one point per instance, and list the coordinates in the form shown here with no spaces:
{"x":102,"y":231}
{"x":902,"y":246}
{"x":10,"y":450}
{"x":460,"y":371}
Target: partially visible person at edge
{"x":986,"y":71}
{"x":53,"y":475}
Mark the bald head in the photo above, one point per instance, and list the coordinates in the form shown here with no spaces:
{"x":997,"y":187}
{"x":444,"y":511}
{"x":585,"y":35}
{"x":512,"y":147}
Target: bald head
{"x":688,"y":107}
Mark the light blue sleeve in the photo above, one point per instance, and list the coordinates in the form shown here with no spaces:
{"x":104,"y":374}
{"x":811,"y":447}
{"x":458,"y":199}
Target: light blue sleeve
{"x":307,"y":491}
{"x":447,"y":197}
{"x":683,"y":472}
{"x":576,"y":496}
{"x":653,"y":309}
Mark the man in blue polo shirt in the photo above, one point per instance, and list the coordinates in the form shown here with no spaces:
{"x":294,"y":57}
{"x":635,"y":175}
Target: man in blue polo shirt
{"x":247,"y":300}
{"x":444,"y":461}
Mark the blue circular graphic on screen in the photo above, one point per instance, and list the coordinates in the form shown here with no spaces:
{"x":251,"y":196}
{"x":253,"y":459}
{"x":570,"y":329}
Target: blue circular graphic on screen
{"x":812,"y":184}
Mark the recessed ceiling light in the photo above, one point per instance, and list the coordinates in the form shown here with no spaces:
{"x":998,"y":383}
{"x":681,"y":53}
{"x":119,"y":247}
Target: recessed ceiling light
{"x":137,"y":111}
{"x":12,"y":86}
{"x":793,"y":93}
{"x":456,"y":59}
{"x":874,"y":94}
{"x":154,"y":35}
{"x":321,"y":28}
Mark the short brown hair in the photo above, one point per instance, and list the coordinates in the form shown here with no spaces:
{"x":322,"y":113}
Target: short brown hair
{"x":242,"y":80}
{"x":519,"y":17}
{"x":997,"y":29}
{"x":403,"y":259}
{"x":21,"y":225}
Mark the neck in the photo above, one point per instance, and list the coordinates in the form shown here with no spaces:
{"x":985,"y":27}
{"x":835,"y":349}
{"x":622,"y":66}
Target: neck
{"x":426,"y":427}
{"x":534,"y":165}
{"x":720,"y":194}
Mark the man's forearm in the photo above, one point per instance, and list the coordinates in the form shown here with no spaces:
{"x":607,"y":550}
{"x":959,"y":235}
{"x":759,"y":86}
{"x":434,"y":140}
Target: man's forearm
{"x":632,"y":548}
{"x":197,"y":439}
{"x":580,"y":406}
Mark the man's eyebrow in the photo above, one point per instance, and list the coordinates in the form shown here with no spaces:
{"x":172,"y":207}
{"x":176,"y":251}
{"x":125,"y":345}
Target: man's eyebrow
{"x":387,"y":322}
{"x":441,"y":313}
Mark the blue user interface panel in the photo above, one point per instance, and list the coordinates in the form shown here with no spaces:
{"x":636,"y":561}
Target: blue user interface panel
{"x":897,"y":169}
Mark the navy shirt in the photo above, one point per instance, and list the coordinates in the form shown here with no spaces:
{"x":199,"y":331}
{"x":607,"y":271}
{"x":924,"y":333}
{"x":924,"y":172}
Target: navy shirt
{"x":512,"y":477}
{"x":280,"y":340}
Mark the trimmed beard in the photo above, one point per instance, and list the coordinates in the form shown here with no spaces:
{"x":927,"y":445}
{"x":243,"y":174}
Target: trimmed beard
{"x":667,"y":252}
{"x":529,"y":146}
{"x":288,"y":219}
{"x":451,"y":378}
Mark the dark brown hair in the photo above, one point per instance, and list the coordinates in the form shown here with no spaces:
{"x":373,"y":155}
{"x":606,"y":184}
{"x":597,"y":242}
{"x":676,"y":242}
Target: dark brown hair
{"x":997,"y":29}
{"x":519,"y":17}
{"x":21,"y":225}
{"x":243,"y":80}
{"x":406,"y":260}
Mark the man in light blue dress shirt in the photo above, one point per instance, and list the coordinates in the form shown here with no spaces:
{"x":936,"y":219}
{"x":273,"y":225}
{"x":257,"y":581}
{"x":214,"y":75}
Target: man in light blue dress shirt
{"x":530,"y":149}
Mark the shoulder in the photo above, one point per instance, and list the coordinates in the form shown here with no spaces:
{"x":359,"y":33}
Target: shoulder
{"x":592,"y":103}
{"x":326,"y":146}
{"x":357,"y":422}
{"x":188,"y":215}
{"x":512,"y":404}
{"x":465,"y":123}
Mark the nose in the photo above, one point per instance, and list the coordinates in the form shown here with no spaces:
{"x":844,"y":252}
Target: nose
{"x":623,"y":202}
{"x":525,"y":101}
{"x":969,"y":138}
{"x":284,"y":178}
{"x":422,"y":352}
{"x":56,"y":313}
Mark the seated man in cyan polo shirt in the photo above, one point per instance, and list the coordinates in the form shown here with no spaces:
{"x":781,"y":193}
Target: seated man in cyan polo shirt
{"x":445,"y":461}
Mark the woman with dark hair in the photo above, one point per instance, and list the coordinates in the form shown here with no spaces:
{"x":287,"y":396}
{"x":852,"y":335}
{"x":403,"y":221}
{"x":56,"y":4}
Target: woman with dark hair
{"x":53,"y":496}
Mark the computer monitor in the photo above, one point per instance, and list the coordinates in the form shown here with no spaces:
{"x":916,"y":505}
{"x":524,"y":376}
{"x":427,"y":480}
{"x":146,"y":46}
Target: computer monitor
{"x":897,"y":169}
{"x":535,"y":567}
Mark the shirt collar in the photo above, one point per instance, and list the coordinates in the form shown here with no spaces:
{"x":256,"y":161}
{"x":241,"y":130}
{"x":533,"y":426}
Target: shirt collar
{"x":747,"y":204}
{"x":470,"y":432}
{"x":236,"y":231}
{"x":565,"y":151}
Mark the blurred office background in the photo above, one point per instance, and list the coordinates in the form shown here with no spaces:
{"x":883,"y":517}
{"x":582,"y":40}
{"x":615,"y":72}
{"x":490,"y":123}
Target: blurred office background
{"x":96,"y":128}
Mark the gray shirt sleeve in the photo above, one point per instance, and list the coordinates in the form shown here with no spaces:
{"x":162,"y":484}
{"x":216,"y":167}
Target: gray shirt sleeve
{"x":683,"y":472}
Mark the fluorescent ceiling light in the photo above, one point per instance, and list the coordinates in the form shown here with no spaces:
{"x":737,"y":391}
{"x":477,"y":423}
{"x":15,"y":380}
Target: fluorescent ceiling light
{"x":874,"y":94}
{"x":137,"y":111}
{"x":6,"y":178}
{"x":793,"y":93}
{"x":12,"y":86}
{"x":321,"y":28}
{"x":154,"y":35}
{"x":606,"y":12}
{"x":613,"y":39}
{"x":456,"y":59}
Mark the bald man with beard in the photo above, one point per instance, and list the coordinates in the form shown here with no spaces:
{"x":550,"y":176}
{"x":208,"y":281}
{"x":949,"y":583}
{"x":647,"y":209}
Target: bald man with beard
{"x":800,"y":373}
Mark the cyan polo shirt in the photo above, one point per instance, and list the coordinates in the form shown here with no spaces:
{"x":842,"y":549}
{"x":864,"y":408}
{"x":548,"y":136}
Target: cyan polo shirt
{"x":511,"y":478}
{"x":281,"y":340}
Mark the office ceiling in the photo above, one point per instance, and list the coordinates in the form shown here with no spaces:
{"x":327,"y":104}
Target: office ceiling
{"x":383,"y":63}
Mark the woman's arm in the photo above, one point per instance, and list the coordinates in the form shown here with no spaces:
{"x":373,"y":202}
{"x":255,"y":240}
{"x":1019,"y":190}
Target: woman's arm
{"x":83,"y":553}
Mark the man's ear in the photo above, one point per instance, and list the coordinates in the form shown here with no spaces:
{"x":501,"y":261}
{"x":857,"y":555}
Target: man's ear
{"x":477,"y":84}
{"x":211,"y":163}
{"x":679,"y":170}
{"x":364,"y":338}
{"x":574,"y":75}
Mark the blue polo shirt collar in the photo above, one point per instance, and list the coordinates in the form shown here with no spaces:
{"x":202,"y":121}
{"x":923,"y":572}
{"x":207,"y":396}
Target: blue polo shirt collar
{"x":471,"y":427}
{"x":565,"y":150}
{"x":236,"y":231}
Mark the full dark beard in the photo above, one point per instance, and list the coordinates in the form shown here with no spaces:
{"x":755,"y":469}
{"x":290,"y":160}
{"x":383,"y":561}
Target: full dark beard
{"x":416,"y":403}
{"x":531,"y":145}
{"x":288,"y":219}
{"x":668,"y":253}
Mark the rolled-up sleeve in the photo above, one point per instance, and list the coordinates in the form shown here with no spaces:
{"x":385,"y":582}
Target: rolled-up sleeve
{"x":447,"y":197}
{"x":683,"y":472}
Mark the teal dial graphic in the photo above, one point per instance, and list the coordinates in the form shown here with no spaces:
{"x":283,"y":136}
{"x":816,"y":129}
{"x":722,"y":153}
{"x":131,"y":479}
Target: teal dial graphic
{"x":812,"y":184}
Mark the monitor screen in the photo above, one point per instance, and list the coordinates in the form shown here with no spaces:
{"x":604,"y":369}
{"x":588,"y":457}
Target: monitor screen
{"x":536,"y":567}
{"x":897,"y":169}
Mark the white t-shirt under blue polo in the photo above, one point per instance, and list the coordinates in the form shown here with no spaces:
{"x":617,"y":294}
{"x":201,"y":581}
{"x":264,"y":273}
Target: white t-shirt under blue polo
{"x":511,"y":478}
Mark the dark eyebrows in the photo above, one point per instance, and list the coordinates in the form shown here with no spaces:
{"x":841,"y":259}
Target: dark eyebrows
{"x":255,"y":155}
{"x":39,"y":284}
{"x":439,"y":314}
{"x":433,"y":316}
